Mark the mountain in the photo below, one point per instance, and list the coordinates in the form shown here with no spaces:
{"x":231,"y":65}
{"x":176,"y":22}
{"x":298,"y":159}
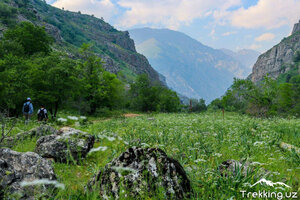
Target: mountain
{"x":279,"y":59}
{"x":71,"y":29}
{"x":246,"y":57}
{"x":191,"y":68}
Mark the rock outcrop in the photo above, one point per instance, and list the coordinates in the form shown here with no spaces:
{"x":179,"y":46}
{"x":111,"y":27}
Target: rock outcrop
{"x":296,"y":28}
{"x":69,"y":145}
{"x":40,"y":131}
{"x":142,"y":172}
{"x":234,"y":167}
{"x":277,"y":60}
{"x":20,"y":169}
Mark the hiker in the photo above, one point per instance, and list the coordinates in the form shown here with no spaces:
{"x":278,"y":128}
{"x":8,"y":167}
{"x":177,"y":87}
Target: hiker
{"x":27,"y":110}
{"x":42,"y":114}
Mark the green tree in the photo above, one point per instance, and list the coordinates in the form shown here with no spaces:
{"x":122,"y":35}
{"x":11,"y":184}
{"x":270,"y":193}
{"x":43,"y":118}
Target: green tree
{"x":198,"y":105}
{"x":100,"y":88}
{"x":53,"y":80}
{"x":14,"y":82}
{"x":145,"y":96}
{"x":33,"y":39}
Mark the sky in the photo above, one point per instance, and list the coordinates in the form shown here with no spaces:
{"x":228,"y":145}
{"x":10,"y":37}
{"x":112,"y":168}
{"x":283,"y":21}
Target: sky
{"x":231,"y":24}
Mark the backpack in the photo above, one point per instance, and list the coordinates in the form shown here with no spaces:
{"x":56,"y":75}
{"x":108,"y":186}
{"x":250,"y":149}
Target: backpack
{"x":26,"y":107}
{"x":41,"y":114}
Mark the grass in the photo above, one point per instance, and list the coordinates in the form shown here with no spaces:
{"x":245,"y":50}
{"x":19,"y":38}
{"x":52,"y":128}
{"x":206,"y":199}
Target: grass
{"x":200,"y":142}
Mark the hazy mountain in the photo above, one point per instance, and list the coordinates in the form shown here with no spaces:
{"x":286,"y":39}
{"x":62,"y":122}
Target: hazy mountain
{"x":190,"y":68}
{"x":246,"y":57}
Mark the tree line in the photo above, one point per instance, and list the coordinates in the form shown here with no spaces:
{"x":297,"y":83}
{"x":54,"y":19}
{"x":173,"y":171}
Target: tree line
{"x":30,"y":67}
{"x":268,"y":98}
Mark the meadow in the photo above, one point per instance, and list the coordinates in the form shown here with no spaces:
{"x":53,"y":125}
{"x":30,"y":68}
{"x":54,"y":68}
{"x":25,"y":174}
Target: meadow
{"x":200,"y":142}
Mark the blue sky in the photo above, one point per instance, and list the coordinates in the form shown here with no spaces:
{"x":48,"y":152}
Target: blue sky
{"x":232,"y":24}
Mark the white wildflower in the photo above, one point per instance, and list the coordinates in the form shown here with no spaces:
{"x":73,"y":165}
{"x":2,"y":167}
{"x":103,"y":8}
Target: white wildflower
{"x":73,"y":118}
{"x":218,"y":155}
{"x":258,"y":143}
{"x":62,"y":120}
{"x":98,"y":149}
{"x":42,"y":182}
{"x":82,"y":117}
{"x":200,"y":160}
{"x":111,"y":138}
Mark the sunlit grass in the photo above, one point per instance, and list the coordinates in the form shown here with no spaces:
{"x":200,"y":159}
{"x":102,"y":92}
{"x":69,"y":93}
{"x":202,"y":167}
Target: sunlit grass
{"x":200,"y":142}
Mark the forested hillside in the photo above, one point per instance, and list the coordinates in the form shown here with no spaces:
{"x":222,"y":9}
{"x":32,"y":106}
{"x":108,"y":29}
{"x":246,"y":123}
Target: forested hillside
{"x":64,"y":60}
{"x":71,"y":29}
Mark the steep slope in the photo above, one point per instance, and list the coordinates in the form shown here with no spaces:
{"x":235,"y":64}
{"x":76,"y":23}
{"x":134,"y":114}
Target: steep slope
{"x":246,"y":57}
{"x":190,"y":68}
{"x":279,"y":59}
{"x":71,"y":30}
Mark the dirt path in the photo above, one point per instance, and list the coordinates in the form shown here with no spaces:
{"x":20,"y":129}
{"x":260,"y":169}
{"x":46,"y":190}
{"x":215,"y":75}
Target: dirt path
{"x":128,"y":115}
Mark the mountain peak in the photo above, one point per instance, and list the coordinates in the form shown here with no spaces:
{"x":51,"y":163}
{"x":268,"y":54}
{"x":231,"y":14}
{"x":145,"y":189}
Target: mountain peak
{"x":296,"y":27}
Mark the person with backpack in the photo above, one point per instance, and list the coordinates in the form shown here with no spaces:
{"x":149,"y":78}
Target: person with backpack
{"x":27,"y":110}
{"x":42,"y":114}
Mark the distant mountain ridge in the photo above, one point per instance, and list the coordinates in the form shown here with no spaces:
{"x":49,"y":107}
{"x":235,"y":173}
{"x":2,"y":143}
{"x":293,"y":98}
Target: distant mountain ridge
{"x":246,"y":57}
{"x":71,"y":29}
{"x":279,"y":59}
{"x":191,"y":68}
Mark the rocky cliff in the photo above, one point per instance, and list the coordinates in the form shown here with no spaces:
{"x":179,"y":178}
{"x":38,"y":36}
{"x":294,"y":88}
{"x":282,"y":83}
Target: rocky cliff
{"x":278,"y":59}
{"x":71,"y":29}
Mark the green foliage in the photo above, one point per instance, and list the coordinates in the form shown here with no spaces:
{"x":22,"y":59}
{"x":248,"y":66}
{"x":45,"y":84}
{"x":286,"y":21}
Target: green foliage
{"x":7,"y":14}
{"x":296,"y":57}
{"x":32,"y":38}
{"x":266,"y":99}
{"x":198,"y":148}
{"x":198,"y":105}
{"x":101,"y":88}
{"x":147,"y":97}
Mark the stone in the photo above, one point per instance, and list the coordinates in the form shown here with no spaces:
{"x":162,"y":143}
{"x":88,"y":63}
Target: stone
{"x":67,"y":145}
{"x":140,"y":172}
{"x":17,"y":168}
{"x":234,"y":167}
{"x":42,"y":130}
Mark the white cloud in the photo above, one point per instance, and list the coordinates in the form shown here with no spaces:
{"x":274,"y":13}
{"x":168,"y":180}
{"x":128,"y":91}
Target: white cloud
{"x":254,"y":47}
{"x":265,"y":14}
{"x":99,"y":8}
{"x":169,"y":13}
{"x":265,"y":37}
{"x":229,"y":33}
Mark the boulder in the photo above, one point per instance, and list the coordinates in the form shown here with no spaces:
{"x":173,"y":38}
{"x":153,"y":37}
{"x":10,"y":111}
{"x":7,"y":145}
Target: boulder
{"x":233,"y":168}
{"x":42,"y":130}
{"x":140,"y":172}
{"x":67,"y":145}
{"x":18,"y":168}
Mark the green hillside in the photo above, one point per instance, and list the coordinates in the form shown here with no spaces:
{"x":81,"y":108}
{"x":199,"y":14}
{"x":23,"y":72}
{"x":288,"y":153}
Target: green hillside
{"x":70,"y":30}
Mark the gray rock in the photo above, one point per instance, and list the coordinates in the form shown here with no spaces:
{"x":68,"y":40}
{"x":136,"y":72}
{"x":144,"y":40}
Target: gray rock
{"x":233,"y":167}
{"x":18,"y":167}
{"x":68,"y":145}
{"x":278,"y":59}
{"x":42,"y":130}
{"x":142,"y":172}
{"x":296,"y":27}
